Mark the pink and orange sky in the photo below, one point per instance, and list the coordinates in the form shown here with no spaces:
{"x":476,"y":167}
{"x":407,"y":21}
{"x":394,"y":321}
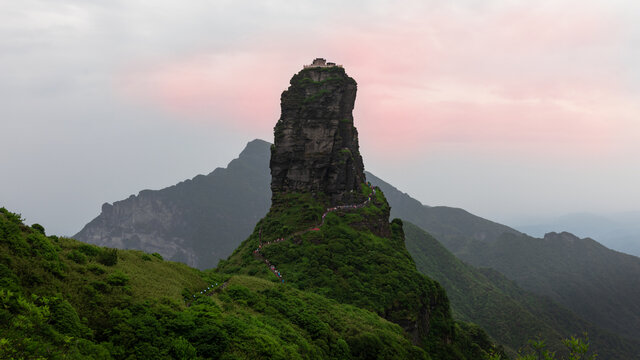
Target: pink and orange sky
{"x":509,"y":109}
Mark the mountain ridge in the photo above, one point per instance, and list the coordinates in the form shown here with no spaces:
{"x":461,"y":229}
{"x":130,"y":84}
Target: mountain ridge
{"x":571,"y":271}
{"x":486,"y":297}
{"x":179,"y":229}
{"x":619,"y":232}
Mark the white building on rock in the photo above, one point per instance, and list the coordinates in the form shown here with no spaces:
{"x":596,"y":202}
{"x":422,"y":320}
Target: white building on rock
{"x":320,"y":62}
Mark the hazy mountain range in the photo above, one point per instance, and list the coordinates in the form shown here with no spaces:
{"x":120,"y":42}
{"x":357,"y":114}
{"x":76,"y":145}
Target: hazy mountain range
{"x":573,"y":278}
{"x":599,"y":284}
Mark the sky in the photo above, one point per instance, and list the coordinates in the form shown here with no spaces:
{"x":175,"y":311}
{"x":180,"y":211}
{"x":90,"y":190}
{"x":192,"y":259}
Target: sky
{"x":508,"y":109}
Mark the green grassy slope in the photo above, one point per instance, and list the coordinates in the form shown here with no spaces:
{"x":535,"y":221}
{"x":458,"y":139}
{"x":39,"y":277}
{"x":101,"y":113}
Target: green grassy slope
{"x":509,"y":314}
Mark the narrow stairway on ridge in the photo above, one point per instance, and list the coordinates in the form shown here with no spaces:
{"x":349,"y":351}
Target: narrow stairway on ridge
{"x":262,"y":244}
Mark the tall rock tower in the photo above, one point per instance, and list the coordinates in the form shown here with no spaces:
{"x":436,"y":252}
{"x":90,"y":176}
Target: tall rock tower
{"x":315,"y":142}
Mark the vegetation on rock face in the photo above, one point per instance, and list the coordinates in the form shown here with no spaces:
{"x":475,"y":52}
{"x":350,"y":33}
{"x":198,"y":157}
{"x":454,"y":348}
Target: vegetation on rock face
{"x":357,"y":258}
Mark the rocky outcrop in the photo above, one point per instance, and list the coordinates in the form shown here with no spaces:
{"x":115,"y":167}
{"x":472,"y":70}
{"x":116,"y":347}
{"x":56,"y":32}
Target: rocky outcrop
{"x":315,"y":142}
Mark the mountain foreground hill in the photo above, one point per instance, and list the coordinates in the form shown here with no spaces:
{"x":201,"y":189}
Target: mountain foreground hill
{"x":315,"y":152}
{"x":598,"y":284}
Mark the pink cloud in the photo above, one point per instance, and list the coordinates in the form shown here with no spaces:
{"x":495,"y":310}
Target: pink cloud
{"x":531,"y":74}
{"x":233,"y":91}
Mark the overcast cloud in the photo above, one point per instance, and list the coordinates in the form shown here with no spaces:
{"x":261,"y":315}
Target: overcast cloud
{"x":504,"y":108}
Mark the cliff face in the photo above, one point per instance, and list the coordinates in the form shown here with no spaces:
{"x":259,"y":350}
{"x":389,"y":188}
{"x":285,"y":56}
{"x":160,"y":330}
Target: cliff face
{"x":315,"y":142}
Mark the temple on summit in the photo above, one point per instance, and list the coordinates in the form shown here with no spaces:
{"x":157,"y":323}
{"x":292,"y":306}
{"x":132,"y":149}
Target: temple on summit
{"x":320,"y":62}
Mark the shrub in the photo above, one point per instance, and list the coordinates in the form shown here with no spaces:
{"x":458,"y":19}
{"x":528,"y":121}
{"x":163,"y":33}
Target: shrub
{"x":365,"y":346}
{"x":39,"y":228}
{"x":89,"y":250}
{"x":77,"y":257}
{"x":96,"y":269}
{"x":108,"y":257}
{"x":182,"y":349}
{"x":210,"y":340}
{"x":118,"y":279}
{"x":66,"y":320}
{"x":100,"y":286}
{"x":8,"y":280}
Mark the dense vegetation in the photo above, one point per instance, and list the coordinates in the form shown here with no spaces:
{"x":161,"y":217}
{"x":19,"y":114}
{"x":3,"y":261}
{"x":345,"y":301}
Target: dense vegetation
{"x":358,"y":258}
{"x":60,"y":298}
{"x":487,"y":298}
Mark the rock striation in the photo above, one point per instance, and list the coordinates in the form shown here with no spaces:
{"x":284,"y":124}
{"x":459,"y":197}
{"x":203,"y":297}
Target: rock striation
{"x":315,"y":141}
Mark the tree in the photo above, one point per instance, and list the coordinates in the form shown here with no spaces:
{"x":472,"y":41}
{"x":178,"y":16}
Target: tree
{"x":578,"y":349}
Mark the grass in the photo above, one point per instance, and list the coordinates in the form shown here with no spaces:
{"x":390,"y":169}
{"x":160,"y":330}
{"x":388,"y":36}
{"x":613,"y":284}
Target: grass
{"x":157,"y":278}
{"x":149,"y":277}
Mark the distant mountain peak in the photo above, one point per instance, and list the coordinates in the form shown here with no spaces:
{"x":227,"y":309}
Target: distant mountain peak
{"x":255,"y":147}
{"x":564,"y":235}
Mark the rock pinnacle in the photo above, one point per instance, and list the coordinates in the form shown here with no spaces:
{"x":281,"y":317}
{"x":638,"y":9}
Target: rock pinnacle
{"x":315,"y":142}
